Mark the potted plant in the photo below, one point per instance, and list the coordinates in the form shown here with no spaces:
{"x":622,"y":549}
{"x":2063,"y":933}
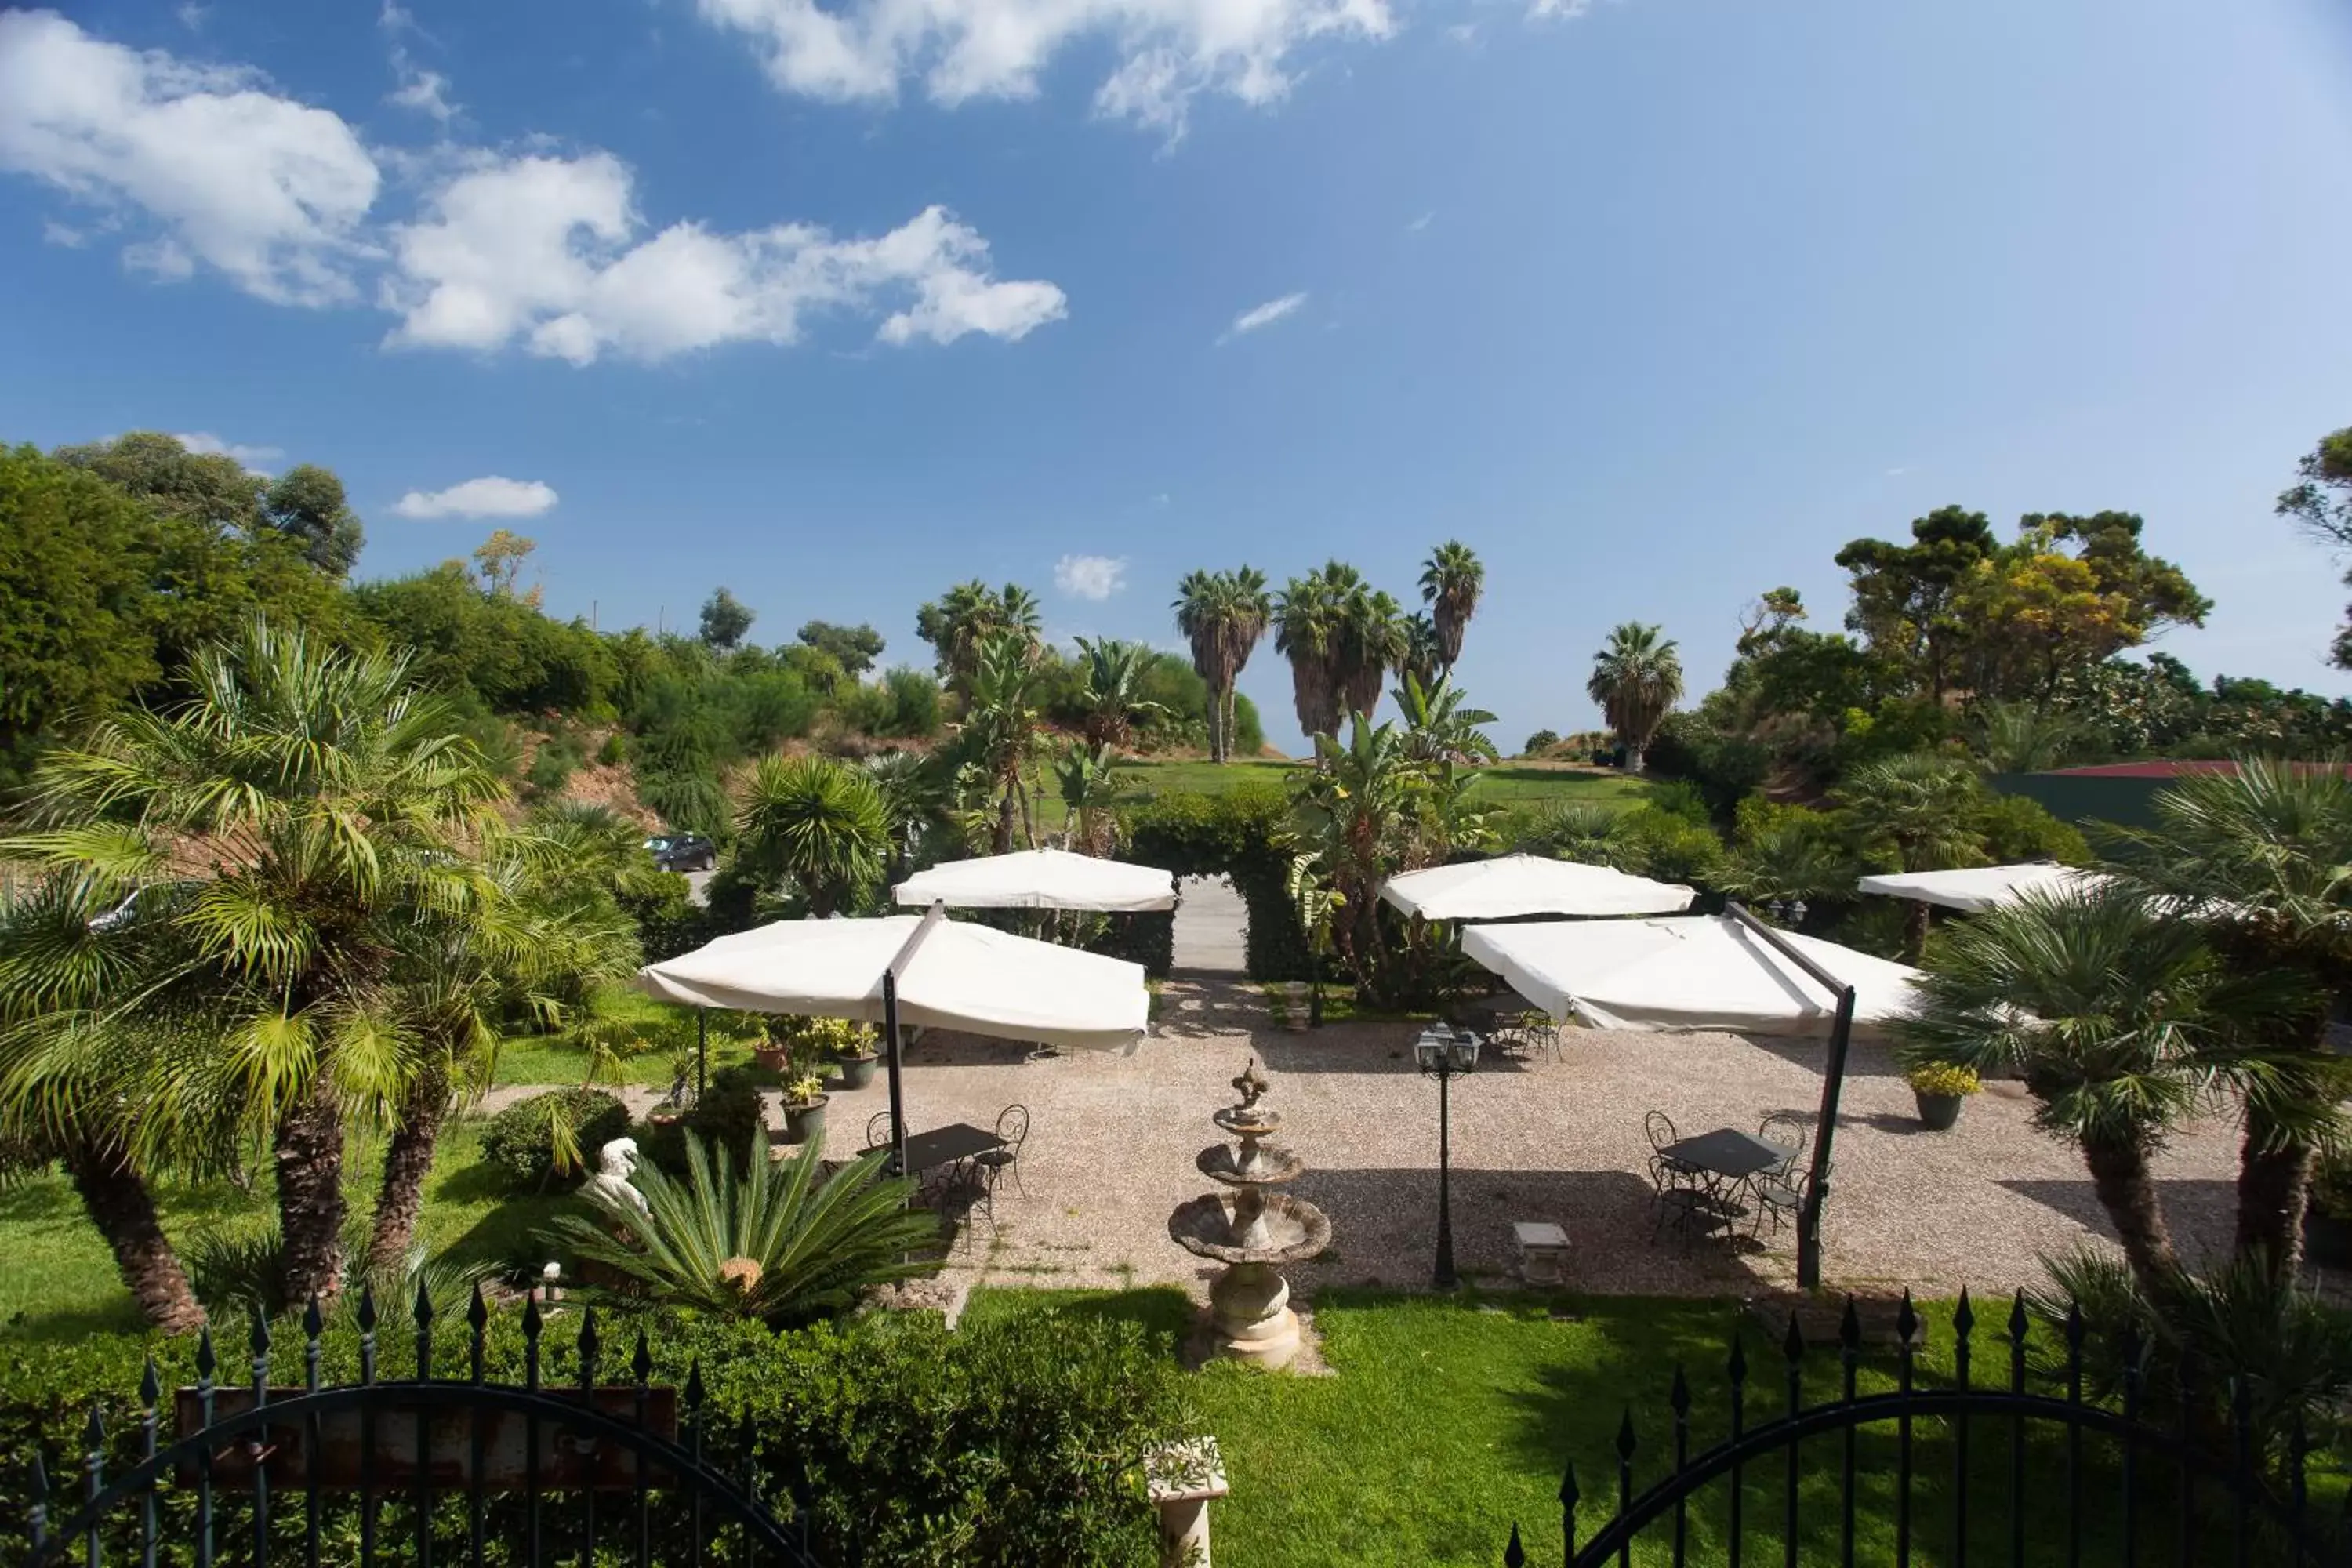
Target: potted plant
{"x":1939,"y":1088}
{"x":853,"y":1048}
{"x":2327,"y":1219}
{"x":774,"y":1046}
{"x":804,"y":1101}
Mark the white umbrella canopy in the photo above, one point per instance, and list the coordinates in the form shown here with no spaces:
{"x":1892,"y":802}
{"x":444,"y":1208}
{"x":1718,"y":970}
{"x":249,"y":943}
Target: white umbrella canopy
{"x":1701,"y":971}
{"x":1040,"y":880}
{"x":1981,"y":887}
{"x":1512,"y":885}
{"x":962,"y":976}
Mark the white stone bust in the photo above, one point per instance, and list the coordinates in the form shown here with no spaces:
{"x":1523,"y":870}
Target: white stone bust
{"x":614,"y":1164}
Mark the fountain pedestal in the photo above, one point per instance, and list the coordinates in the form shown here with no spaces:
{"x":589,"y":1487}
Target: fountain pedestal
{"x":1253,"y":1231}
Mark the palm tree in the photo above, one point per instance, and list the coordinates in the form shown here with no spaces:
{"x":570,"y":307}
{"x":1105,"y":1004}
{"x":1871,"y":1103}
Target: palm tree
{"x":1423,"y":659}
{"x":1636,"y":679}
{"x":1358,"y":814}
{"x":1110,"y":689}
{"x":969,"y":615}
{"x":2265,"y":851}
{"x":1307,"y":618}
{"x":1001,"y":729}
{"x":817,"y":821}
{"x":1921,"y":811}
{"x":1083,"y":778}
{"x":1439,"y":726}
{"x":333,"y":802}
{"x":1371,"y":643}
{"x":1221,"y":615}
{"x":1452,"y":580}
{"x":2119,"y":1017}
{"x":915,"y":797}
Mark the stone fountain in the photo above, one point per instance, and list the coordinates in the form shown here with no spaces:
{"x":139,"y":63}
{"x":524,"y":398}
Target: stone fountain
{"x":1252,"y":1229}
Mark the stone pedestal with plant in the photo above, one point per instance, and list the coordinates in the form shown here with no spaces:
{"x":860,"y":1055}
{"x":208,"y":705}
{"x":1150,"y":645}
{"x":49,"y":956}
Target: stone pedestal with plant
{"x":1941,"y":1089}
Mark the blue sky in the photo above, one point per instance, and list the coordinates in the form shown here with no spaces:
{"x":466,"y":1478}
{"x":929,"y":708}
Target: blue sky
{"x":1656,"y":302}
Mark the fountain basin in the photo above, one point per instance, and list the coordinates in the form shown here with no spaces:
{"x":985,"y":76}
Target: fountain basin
{"x":1247,"y":1121}
{"x":1211,"y":1225}
{"x":1257,"y":1165}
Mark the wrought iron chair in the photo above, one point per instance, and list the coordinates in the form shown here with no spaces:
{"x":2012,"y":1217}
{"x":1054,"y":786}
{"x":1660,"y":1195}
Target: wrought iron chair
{"x":1666,"y":1172}
{"x":1012,"y":1131}
{"x":879,"y":1132}
{"x":1778,"y":1195}
{"x":1539,"y":1030}
{"x":1789,"y":1130}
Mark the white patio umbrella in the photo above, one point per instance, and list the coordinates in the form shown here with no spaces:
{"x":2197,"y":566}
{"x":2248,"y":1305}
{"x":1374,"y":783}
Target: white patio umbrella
{"x":1700,"y":971}
{"x":1981,"y":887}
{"x":1040,"y":880}
{"x":910,"y":969}
{"x":1513,"y":885}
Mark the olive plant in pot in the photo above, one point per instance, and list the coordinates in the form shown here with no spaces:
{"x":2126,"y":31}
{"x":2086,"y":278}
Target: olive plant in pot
{"x":1940,"y":1088}
{"x":852,"y":1048}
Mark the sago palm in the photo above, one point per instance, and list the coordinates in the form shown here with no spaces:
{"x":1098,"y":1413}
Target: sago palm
{"x":2119,"y":1017}
{"x":329,"y":802}
{"x":2265,"y":853}
{"x":771,"y":1239}
{"x":1637,"y":679}
{"x":1452,"y":580}
{"x":819,"y":822}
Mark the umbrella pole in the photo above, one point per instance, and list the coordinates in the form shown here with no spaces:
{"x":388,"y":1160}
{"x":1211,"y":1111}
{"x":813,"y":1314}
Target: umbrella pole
{"x":701,"y":1052}
{"x":897,"y":1096}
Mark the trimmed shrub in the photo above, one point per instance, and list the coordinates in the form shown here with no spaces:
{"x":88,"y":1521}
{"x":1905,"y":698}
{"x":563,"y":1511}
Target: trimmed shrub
{"x":1237,"y":834}
{"x":521,"y":1139}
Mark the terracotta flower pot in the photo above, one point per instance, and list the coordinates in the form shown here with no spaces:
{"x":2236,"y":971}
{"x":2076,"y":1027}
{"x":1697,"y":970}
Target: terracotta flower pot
{"x":770,"y":1059}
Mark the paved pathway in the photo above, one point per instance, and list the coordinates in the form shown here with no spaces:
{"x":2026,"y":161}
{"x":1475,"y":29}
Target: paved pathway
{"x":1209,"y":921}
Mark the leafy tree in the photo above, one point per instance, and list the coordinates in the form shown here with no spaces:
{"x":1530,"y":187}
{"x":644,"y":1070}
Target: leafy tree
{"x":2320,"y":501}
{"x":771,"y":1239}
{"x":499,"y":559}
{"x":1921,"y":812}
{"x":2116,"y":1015}
{"x":1781,"y":851}
{"x":725,"y":620}
{"x":1904,"y":596}
{"x":492,"y":650}
{"x":855,"y":648}
{"x":1223,"y":614}
{"x":1637,"y":678}
{"x":307,"y":505}
{"x":335,"y":800}
{"x":1767,"y":617}
{"x":1539,"y":743}
{"x":2033,"y":611}
{"x":210,"y":488}
{"x":817,"y":821}
{"x":1452,"y":580}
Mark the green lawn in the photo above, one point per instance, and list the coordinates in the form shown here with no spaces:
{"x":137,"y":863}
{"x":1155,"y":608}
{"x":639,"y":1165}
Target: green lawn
{"x":1506,"y":784}
{"x":1447,"y":1421}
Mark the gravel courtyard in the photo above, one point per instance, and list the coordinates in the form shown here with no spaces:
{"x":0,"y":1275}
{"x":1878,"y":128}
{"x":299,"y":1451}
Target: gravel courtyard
{"x":1112,"y":1144}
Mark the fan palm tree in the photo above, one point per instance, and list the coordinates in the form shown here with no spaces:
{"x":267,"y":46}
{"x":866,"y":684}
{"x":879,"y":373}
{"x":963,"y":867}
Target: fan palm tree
{"x":1452,"y":580}
{"x":1423,"y":659}
{"x":1221,"y":615}
{"x":818,"y":821}
{"x":969,"y":614}
{"x":1921,"y":811}
{"x":1110,"y":690}
{"x":1307,"y":625}
{"x":1373,"y":641}
{"x":2119,"y":1017}
{"x":2264,"y":851}
{"x":332,"y":803}
{"x":915,"y":797}
{"x":771,"y":1239}
{"x":1637,"y":679}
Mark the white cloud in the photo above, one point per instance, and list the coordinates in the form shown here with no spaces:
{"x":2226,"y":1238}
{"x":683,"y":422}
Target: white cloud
{"x":56,"y":233}
{"x":1463,"y":32}
{"x":491,"y":496}
{"x":1089,"y":576}
{"x":544,"y":250}
{"x":1263,"y":316}
{"x":1423,"y":222}
{"x":1557,"y":10}
{"x":191,"y":15}
{"x":205,"y":443}
{"x":206,"y":167}
{"x":268,"y":190}
{"x":1168,"y":51}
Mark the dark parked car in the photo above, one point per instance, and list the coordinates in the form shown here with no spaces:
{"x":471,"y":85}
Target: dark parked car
{"x":683,"y":852}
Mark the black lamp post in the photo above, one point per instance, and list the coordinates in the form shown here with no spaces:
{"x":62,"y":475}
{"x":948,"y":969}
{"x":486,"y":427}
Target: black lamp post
{"x":1445,"y":1054}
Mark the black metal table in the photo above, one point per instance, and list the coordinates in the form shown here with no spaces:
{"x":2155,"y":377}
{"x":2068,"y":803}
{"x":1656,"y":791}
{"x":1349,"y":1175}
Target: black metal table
{"x":1729,"y":1153}
{"x":947,"y":1147}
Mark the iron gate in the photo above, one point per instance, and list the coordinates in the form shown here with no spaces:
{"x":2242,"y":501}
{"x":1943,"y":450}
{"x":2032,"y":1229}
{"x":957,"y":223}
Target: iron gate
{"x":2229,"y":1505}
{"x":426,"y":1468}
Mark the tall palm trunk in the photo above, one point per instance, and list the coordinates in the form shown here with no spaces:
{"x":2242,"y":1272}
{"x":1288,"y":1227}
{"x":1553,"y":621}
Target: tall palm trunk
{"x":124,"y":1212}
{"x":2273,"y":1188}
{"x":1915,"y":929}
{"x":1002,"y":842}
{"x":309,"y":1159}
{"x":2120,"y":1178}
{"x":407,"y":1161}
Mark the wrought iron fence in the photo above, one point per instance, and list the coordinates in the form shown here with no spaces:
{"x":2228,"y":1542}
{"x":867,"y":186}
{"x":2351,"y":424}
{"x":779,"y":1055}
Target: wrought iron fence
{"x":452,"y":1468}
{"x":2230,"y":1503}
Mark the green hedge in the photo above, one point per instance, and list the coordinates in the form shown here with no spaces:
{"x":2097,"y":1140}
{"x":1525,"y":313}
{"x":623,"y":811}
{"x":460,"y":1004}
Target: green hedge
{"x":1147,"y":938}
{"x":1016,"y":1441}
{"x":1236,"y":834}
